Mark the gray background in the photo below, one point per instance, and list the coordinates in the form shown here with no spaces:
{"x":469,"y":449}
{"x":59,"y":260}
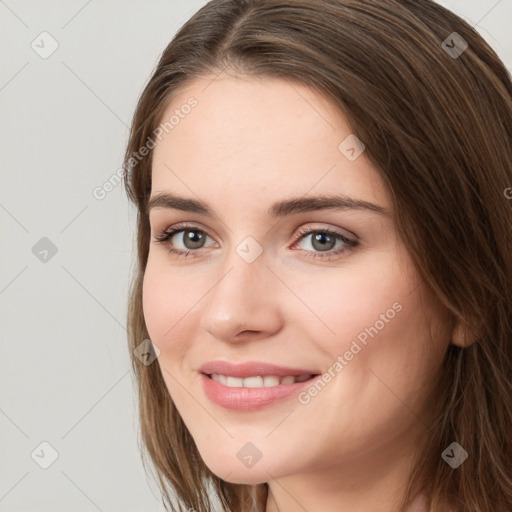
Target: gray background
{"x":64,"y":367}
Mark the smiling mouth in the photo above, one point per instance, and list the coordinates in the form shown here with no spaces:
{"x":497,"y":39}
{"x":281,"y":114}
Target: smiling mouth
{"x":259,"y":381}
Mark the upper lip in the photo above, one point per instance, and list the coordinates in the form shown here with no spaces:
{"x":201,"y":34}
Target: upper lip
{"x":252,"y":368}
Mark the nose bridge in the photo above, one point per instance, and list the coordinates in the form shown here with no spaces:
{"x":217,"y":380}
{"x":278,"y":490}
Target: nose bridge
{"x":245,"y":266}
{"x":245,"y":278}
{"x":242,"y":299}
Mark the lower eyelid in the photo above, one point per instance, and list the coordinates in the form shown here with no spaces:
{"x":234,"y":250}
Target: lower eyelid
{"x":331,"y":253}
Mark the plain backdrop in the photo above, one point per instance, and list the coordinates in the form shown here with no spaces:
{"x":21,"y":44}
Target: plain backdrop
{"x":68,"y":419}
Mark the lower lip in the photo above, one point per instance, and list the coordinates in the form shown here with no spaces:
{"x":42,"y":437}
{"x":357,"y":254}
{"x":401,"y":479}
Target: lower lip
{"x":249,"y":399}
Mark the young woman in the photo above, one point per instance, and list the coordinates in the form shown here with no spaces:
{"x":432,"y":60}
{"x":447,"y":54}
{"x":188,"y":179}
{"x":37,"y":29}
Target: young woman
{"x":323,"y":290}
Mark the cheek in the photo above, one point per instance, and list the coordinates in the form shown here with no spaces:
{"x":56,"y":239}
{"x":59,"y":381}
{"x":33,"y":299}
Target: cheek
{"x":348,"y":300}
{"x":169,"y":314}
{"x":373,"y":317}
{"x":168,"y":305}
{"x":381,"y":330}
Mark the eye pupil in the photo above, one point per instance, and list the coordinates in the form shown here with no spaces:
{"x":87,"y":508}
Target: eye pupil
{"x":320,"y":237}
{"x":195,"y":237}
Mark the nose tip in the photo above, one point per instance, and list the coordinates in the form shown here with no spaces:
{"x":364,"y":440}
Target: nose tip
{"x":228,"y":328}
{"x":244,"y":304}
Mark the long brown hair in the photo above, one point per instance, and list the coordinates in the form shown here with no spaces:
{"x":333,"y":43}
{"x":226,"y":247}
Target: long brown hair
{"x":437,"y":125}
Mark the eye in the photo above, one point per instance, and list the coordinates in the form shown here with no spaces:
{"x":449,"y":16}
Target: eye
{"x":192,"y":238}
{"x":323,"y":241}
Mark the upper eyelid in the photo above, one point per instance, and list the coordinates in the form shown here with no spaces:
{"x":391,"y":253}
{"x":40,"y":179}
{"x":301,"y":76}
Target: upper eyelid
{"x":298,"y":234}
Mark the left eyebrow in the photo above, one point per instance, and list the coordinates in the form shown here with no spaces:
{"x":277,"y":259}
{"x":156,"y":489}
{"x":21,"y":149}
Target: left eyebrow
{"x":278,"y":209}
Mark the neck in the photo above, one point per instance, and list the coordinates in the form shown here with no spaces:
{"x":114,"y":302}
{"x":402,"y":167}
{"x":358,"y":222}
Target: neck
{"x":376,"y":483}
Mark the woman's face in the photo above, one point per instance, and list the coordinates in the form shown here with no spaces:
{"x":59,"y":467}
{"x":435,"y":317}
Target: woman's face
{"x":263,"y":282}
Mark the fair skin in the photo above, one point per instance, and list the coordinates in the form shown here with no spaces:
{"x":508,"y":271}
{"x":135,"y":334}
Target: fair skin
{"x":248,"y":144}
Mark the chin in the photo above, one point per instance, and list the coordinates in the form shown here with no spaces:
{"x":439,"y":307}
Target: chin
{"x":240,"y":475}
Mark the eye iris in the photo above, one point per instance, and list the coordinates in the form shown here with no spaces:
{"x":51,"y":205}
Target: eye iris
{"x":195,"y":237}
{"x":320,"y":237}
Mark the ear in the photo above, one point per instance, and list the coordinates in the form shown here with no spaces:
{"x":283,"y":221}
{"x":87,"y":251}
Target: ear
{"x":463,"y":335}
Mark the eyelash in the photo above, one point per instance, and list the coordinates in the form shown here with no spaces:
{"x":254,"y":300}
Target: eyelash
{"x":164,"y":237}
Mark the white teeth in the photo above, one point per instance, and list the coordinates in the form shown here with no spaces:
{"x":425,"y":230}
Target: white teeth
{"x":253,"y":382}
{"x":268,"y":381}
{"x":234,"y":382}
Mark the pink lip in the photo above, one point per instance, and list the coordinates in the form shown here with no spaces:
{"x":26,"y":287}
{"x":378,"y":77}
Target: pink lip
{"x":253,"y":368}
{"x":250,"y":399}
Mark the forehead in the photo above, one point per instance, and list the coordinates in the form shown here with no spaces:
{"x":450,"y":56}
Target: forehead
{"x":256,"y":136}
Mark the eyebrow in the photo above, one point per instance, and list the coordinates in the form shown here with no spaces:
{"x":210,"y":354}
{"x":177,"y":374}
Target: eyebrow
{"x":278,"y":209}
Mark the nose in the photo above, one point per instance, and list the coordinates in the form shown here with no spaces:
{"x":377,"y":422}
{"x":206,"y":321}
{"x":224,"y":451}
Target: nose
{"x":244,"y":302}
